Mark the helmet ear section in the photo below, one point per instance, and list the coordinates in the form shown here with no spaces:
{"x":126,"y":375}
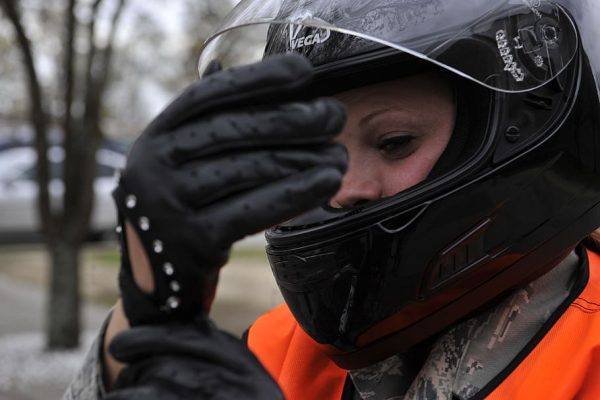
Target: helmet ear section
{"x":514,"y":121}
{"x":583,"y":140}
{"x":528,"y":119}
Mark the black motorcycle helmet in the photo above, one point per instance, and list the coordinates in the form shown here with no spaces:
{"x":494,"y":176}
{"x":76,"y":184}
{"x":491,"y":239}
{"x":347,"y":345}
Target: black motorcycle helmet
{"x":374,"y":280}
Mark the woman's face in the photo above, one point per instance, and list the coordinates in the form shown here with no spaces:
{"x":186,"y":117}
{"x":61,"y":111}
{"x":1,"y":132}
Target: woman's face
{"x":395,"y":133}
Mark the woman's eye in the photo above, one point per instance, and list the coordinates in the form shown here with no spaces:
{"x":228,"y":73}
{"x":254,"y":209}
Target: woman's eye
{"x":396,"y":146}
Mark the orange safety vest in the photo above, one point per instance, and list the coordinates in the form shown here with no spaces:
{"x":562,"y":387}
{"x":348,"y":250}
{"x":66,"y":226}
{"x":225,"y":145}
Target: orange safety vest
{"x":565,"y":364}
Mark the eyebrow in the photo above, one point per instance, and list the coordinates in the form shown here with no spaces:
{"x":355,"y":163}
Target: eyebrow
{"x":372,"y":115}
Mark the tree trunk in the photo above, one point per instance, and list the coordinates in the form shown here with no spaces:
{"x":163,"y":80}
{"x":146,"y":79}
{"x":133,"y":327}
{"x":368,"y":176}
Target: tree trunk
{"x":38,"y":118}
{"x":63,"y":316}
{"x":64,"y":231}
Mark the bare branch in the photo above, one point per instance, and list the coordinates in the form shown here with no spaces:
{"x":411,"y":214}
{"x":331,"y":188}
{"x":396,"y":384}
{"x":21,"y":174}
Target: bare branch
{"x":97,"y":81}
{"x":38,"y":117}
{"x":110,"y":44}
{"x":93,"y":49}
{"x":69,"y":85}
{"x":68,"y":65}
{"x":80,"y":153}
{"x":79,"y":188}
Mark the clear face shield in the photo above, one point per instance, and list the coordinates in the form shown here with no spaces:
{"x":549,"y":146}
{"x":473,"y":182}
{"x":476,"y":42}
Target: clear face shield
{"x":346,"y":274}
{"x":535,"y":39}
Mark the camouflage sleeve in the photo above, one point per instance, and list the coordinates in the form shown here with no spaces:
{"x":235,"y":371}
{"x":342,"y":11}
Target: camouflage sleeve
{"x":88,"y":383}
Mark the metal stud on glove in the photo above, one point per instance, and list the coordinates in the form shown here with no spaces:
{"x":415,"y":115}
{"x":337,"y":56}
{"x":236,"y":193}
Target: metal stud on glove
{"x":231,"y":156}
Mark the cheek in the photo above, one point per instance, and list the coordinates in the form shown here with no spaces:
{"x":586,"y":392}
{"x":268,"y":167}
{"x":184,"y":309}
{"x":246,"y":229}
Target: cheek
{"x":408,"y":172}
{"x":401,"y":176}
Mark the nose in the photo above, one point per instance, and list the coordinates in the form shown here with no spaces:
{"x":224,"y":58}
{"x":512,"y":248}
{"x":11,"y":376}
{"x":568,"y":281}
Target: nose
{"x":358,"y":185}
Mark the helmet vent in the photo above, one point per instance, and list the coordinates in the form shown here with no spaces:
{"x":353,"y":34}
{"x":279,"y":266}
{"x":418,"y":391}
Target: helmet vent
{"x":463,"y":255}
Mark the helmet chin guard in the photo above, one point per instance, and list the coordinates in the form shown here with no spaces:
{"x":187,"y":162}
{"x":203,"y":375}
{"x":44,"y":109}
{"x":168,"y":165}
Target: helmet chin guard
{"x":373,"y":280}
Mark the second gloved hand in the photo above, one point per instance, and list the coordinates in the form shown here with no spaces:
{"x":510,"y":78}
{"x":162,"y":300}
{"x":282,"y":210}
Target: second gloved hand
{"x":231,"y":156}
{"x":187,"y":361}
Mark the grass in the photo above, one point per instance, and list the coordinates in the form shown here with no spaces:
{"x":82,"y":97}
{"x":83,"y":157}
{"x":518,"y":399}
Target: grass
{"x":109,"y":257}
{"x":254,"y":254}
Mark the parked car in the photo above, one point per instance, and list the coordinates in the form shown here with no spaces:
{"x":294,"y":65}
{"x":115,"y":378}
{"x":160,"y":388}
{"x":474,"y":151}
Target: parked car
{"x":18,"y":189}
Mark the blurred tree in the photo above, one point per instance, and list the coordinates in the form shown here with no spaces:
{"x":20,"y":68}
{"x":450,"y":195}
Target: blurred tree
{"x":66,"y":81}
{"x":83,"y":82}
{"x":201,"y":19}
{"x":13,"y":104}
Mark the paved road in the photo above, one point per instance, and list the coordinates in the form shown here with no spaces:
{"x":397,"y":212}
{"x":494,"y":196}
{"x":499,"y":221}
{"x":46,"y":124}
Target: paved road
{"x":22,"y":308}
{"x":27,"y":372}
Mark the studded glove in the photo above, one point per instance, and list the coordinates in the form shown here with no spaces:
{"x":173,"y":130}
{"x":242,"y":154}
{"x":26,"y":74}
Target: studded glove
{"x":235,"y":153}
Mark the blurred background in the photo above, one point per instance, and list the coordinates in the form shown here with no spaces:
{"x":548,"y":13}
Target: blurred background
{"x":79,"y":79}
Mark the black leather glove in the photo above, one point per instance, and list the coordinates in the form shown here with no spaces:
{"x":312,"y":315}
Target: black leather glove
{"x":179,"y":362}
{"x":231,"y":156}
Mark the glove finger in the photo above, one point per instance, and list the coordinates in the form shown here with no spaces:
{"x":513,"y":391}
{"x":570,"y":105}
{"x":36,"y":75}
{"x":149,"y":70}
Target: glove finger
{"x":271,"y":80}
{"x":206,"y":182}
{"x":202,"y":342}
{"x":193,"y":360}
{"x":139,"y":342}
{"x":266,"y":206}
{"x":305,"y":123}
{"x":149,"y":392}
{"x":185,"y":377}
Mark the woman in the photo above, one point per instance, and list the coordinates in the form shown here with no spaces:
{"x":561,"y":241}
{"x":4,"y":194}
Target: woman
{"x":441,"y":259}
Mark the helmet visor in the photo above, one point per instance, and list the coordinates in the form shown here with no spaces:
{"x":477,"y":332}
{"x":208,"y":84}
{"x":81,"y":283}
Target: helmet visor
{"x":515,"y":46}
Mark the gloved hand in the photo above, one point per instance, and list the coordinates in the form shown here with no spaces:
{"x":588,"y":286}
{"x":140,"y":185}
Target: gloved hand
{"x":188,"y":361}
{"x":231,"y":156}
